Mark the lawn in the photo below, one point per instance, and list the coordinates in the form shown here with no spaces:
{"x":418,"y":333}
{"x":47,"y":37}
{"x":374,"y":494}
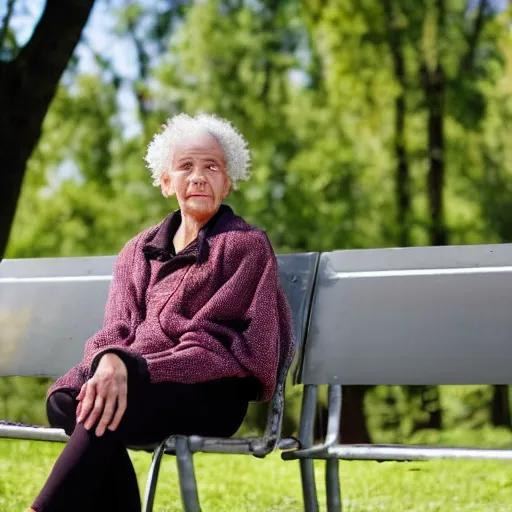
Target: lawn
{"x":246,"y":484}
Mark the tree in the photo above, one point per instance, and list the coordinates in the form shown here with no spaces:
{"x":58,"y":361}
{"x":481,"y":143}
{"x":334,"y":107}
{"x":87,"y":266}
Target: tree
{"x":395,"y":28}
{"x":500,"y":407}
{"x":28,"y":82}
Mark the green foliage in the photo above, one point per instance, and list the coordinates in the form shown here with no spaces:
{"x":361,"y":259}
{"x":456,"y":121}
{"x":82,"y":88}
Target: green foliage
{"x":313,"y":90}
{"x":393,"y":411}
{"x":312,"y":86}
{"x":23,"y":399}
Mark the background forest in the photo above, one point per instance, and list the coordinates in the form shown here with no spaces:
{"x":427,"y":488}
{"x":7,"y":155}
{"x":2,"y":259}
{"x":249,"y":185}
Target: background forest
{"x":373,"y":123}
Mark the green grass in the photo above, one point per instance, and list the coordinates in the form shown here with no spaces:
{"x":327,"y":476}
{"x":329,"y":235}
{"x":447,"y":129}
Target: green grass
{"x":246,"y":484}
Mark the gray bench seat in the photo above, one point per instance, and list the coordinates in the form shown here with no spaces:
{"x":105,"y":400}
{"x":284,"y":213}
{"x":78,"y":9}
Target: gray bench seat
{"x":424,"y":315}
{"x":50,"y":306}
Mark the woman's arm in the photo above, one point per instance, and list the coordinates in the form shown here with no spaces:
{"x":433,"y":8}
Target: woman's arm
{"x":122,"y":315}
{"x":121,"y":308}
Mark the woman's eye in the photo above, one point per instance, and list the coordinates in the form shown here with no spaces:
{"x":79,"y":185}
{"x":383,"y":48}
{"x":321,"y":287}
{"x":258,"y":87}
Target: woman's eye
{"x":213,"y":167}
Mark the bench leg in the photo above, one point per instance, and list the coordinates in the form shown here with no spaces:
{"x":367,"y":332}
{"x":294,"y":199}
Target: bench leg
{"x":307,"y":473}
{"x":332,"y":484}
{"x":149,"y":494}
{"x":307,"y":468}
{"x":187,"y":477}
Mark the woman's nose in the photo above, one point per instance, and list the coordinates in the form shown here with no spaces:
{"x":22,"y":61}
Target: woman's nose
{"x":198,"y":180}
{"x":197,"y":177}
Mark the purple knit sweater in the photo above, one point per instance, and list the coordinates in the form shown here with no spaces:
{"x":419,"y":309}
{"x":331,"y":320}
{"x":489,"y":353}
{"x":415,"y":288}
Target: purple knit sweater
{"x":214,"y":310}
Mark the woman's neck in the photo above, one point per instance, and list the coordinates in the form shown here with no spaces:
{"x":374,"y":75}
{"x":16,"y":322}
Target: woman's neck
{"x":187,"y":231}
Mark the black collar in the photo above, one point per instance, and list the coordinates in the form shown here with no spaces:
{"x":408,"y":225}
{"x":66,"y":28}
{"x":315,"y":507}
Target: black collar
{"x":161,"y":247}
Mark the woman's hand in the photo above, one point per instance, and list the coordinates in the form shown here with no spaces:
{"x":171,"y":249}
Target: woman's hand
{"x":104,"y":395}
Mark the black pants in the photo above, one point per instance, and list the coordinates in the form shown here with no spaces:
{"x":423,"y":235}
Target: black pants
{"x":96,"y":474}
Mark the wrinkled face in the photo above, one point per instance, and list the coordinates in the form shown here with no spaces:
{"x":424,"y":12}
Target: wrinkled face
{"x":198,"y":176}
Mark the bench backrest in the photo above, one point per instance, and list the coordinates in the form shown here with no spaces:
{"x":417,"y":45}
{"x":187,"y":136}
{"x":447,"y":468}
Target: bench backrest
{"x":429,"y":315}
{"x":49,"y":307}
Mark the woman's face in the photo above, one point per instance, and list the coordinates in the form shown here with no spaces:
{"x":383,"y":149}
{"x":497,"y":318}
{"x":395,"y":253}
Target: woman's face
{"x":198,"y":176}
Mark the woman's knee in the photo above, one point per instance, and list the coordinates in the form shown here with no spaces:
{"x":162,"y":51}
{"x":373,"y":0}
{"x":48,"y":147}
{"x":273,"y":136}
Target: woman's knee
{"x":61,"y":410}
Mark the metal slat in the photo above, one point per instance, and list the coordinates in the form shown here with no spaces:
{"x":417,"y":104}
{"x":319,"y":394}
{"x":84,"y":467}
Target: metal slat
{"x":32,"y":433}
{"x":412,"y":316}
{"x":407,"y":453}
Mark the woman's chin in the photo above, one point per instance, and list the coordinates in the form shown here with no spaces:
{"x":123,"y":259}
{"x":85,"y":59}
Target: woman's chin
{"x":200,"y":206}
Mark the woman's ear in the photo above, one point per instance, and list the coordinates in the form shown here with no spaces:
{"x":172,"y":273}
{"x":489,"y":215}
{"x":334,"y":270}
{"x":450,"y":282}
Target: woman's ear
{"x":166,"y":185}
{"x":227,"y":188}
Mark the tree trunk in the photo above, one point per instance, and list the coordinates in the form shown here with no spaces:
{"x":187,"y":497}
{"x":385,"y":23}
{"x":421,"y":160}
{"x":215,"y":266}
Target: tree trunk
{"x":320,"y":423}
{"x":13,"y":161}
{"x":353,"y":421}
{"x":434,"y":92}
{"x":500,"y":407}
{"x":434,"y":89}
{"x":27,"y":87}
{"x":403,"y":197}
{"x":402,"y":176}
{"x":434,"y":83}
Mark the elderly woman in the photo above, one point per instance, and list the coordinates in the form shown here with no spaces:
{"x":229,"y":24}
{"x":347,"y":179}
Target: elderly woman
{"x":195,"y":327}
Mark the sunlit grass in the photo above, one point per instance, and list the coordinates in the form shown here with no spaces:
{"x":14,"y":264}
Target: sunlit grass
{"x":246,"y":484}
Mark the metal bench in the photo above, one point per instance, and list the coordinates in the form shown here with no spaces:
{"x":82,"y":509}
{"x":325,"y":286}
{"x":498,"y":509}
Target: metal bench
{"x":430,"y":315}
{"x":49,"y":307}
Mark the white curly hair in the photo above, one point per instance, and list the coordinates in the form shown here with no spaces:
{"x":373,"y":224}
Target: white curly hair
{"x":160,"y":153}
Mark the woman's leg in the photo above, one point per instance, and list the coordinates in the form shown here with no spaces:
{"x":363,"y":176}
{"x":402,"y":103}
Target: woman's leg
{"x":119,"y":490}
{"x":214,"y":408}
{"x":82,"y":471}
{"x":92,"y":473}
{"x":92,"y":470}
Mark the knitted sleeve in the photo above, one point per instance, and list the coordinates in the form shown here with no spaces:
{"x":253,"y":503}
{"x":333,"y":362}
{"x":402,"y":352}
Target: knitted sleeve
{"x":121,"y":318}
